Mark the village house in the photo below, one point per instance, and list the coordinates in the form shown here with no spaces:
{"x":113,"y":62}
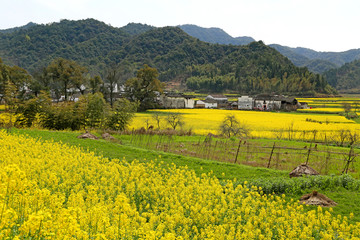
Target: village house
{"x":268,"y":103}
{"x":177,"y":100}
{"x":221,"y":101}
{"x":200,"y":104}
{"x":245,"y":103}
{"x":211,"y":103}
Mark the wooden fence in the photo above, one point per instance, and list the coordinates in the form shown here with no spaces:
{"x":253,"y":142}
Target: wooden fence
{"x":276,"y":155}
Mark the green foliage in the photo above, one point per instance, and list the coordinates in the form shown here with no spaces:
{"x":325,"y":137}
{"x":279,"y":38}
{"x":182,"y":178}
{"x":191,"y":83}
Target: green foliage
{"x":136,"y":28}
{"x":67,"y":73}
{"x":345,"y":78}
{"x":61,"y":116}
{"x":299,"y":185}
{"x":95,"y":83}
{"x":31,"y":108}
{"x":214,"y":35}
{"x":123,"y":112}
{"x":13,"y":83}
{"x":318,"y":62}
{"x":254,"y":68}
{"x":143,"y":88}
{"x":93,"y":110}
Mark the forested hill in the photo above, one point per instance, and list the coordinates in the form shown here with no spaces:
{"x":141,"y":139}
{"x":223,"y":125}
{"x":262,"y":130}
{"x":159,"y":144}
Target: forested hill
{"x":10,"y":30}
{"x":345,"y":78}
{"x":86,"y":41}
{"x":315,"y":61}
{"x":214,"y":35}
{"x":254,"y":68}
{"x":318,"y":62}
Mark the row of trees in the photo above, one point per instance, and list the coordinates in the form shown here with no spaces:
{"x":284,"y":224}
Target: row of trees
{"x":30,"y":96}
{"x":91,"y":111}
{"x":64,"y":77}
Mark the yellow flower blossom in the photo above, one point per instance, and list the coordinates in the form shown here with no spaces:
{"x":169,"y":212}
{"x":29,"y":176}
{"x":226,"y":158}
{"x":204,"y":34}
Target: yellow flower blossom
{"x":54,"y":191}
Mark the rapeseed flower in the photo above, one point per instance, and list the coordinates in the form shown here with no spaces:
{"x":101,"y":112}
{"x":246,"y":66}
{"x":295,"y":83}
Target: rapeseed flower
{"x":53,"y":191}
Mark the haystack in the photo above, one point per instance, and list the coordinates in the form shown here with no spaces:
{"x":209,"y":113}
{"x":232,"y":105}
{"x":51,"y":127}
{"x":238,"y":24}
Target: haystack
{"x":318,"y":199}
{"x":301,"y":170}
{"x":107,"y":136}
{"x":87,"y":135}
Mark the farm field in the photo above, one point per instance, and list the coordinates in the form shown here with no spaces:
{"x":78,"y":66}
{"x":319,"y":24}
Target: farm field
{"x":82,"y":195}
{"x":301,"y":126}
{"x":330,"y":105}
{"x":342,"y":189}
{"x":157,"y":165}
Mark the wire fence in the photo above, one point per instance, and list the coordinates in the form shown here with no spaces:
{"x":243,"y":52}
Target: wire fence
{"x":275,"y":155}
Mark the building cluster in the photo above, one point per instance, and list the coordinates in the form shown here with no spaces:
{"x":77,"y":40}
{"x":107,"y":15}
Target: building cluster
{"x":259,"y":102}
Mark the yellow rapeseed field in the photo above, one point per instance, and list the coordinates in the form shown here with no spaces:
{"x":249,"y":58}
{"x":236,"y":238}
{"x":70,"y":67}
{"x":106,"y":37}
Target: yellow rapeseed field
{"x":261,"y":124}
{"x":53,"y":191}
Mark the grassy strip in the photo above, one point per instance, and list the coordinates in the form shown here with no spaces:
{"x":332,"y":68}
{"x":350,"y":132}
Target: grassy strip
{"x":223,"y":171}
{"x":342,"y":189}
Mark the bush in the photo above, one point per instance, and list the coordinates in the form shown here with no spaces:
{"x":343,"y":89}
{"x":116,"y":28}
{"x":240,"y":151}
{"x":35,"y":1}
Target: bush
{"x":123,"y":112}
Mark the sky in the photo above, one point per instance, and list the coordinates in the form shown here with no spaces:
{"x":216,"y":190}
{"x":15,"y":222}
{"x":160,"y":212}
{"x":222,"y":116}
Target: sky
{"x":321,"y":25}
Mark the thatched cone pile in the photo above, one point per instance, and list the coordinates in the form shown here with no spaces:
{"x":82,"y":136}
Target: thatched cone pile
{"x":318,"y":199}
{"x":107,"y":136}
{"x":87,"y":135}
{"x":303,"y":169}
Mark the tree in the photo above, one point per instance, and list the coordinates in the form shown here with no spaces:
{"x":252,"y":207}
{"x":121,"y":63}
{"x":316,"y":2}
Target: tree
{"x":230,"y":126}
{"x":157,"y":118}
{"x":14,"y":82}
{"x":123,"y":112}
{"x":93,"y":110}
{"x":30,"y":109}
{"x":95,"y":83}
{"x":40,"y":82}
{"x":143,"y":87}
{"x":174,"y":120}
{"x":68,"y":74}
{"x":112,"y":80}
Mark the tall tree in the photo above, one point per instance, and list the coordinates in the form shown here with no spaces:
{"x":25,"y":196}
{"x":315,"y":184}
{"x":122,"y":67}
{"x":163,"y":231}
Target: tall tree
{"x":68,"y":74}
{"x":111,"y":81}
{"x":95,"y":83}
{"x":14,"y":82}
{"x":143,"y":87}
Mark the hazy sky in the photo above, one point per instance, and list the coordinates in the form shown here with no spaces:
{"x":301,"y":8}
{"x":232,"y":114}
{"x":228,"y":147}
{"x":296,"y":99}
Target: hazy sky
{"x":322,"y":25}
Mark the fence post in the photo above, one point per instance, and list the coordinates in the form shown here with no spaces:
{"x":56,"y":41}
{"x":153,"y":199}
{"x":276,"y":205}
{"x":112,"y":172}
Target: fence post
{"x":237,"y":152}
{"x":214,"y":151}
{"x":308,"y":155}
{"x":272,"y":151}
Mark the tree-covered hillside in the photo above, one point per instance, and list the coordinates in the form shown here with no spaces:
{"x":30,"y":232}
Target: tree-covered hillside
{"x":214,"y":35}
{"x":345,"y":78}
{"x":201,"y":66}
{"x":318,"y":62}
{"x":87,"y":41}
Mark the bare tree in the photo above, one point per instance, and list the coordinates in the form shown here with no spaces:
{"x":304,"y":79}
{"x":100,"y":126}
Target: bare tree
{"x":156,"y":117}
{"x":347,"y":107}
{"x":175,"y":120}
{"x":230,"y":126}
{"x":111,"y":81}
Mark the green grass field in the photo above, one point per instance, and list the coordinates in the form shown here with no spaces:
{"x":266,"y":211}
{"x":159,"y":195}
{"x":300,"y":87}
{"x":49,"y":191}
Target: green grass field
{"x":342,"y":189}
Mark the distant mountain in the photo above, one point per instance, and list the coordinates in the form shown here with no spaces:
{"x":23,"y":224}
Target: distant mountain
{"x":10,"y":30}
{"x":346,"y":78}
{"x":197,"y":65}
{"x":214,"y":35}
{"x":317,"y":62}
